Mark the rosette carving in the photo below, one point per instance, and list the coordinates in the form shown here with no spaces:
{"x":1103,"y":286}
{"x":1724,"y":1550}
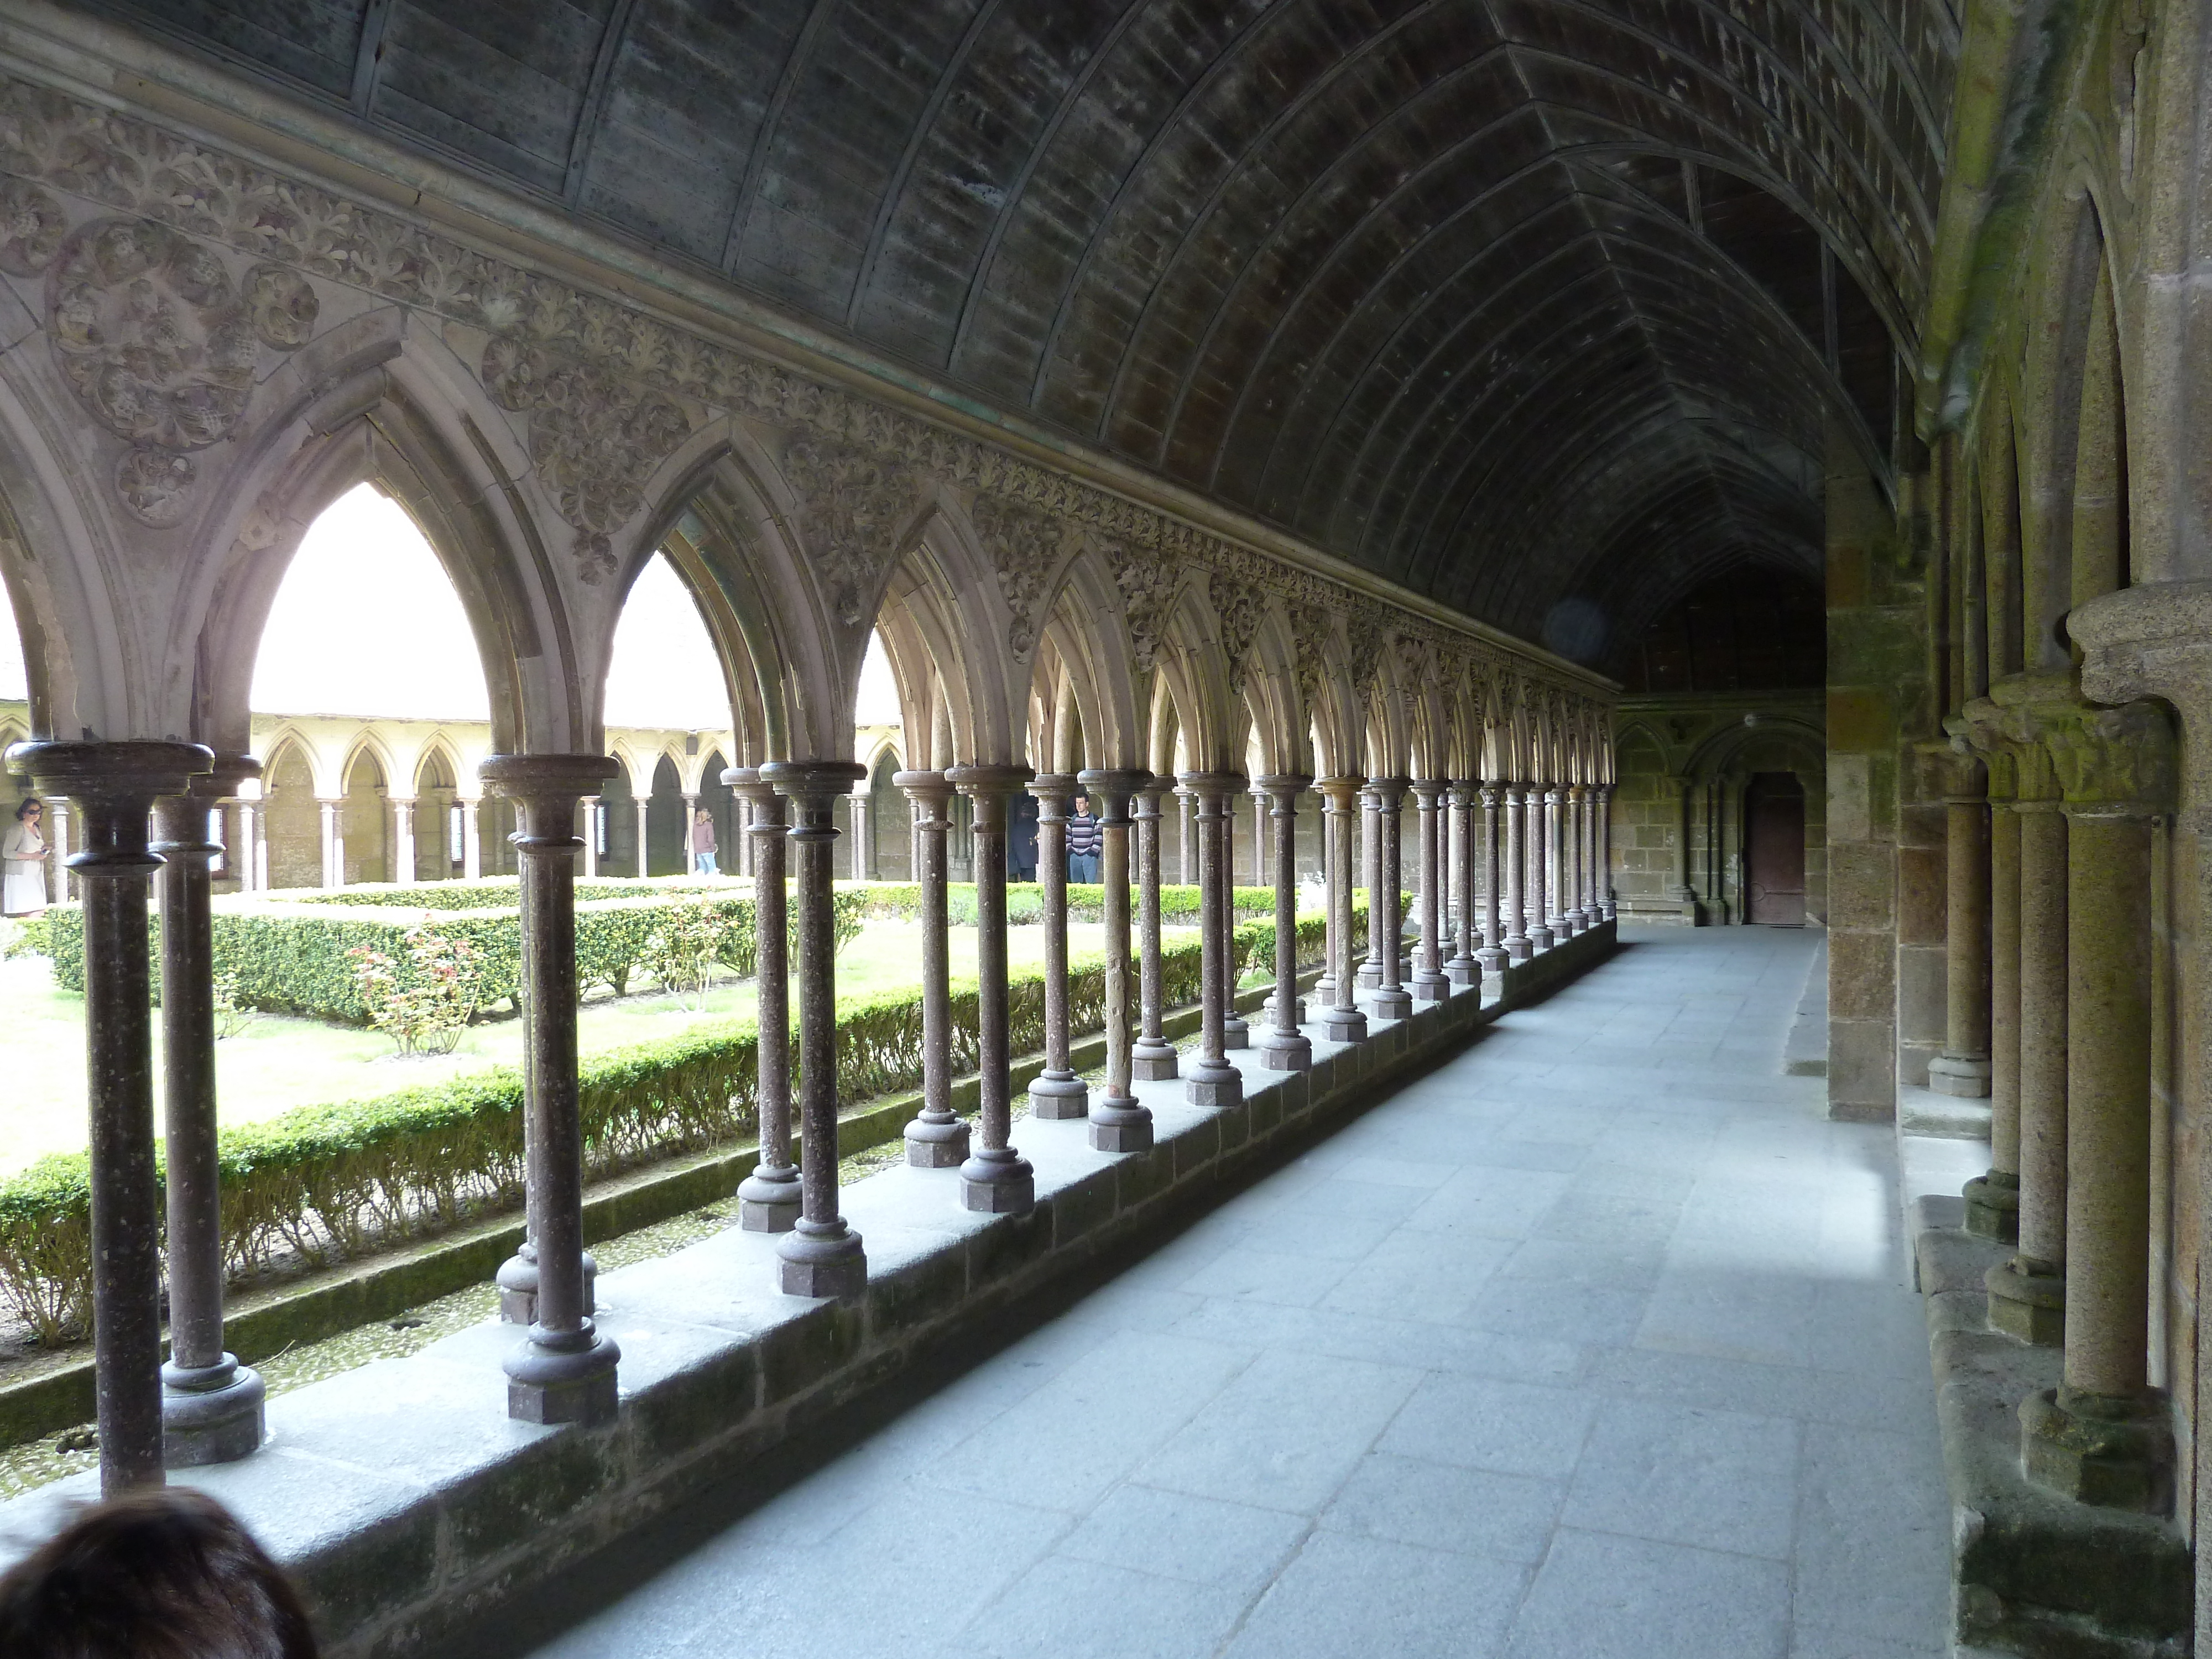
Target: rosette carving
{"x":32,"y":227}
{"x":855,"y":506}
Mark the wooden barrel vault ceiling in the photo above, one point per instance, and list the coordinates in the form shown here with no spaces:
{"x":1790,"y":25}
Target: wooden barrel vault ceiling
{"x":1538,"y":306}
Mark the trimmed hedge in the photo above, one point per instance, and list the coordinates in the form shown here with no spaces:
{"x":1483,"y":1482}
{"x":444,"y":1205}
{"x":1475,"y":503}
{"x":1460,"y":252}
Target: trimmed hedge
{"x":326,"y":1181}
{"x":291,"y":957}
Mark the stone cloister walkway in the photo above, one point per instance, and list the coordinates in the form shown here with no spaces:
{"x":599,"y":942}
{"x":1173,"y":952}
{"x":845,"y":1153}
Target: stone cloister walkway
{"x":1598,"y":1341}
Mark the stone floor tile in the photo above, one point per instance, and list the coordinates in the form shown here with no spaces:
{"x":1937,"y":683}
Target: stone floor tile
{"x":1681,"y":1474}
{"x":1566,"y":1313}
{"x":1874,"y":1537}
{"x":1508,"y":1428}
{"x":1199,"y":1540}
{"x":1507,"y":1517}
{"x":1284,"y":1434}
{"x":1072,"y":1609}
{"x":1598,"y":1596}
{"x":1344,"y":1596}
{"x":1244,"y":1272}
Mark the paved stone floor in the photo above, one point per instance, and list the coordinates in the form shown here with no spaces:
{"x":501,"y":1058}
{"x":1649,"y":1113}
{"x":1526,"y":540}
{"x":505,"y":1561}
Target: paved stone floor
{"x":1596,"y":1341}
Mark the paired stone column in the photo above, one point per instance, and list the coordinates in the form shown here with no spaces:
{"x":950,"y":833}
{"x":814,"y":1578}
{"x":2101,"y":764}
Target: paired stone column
{"x":1283,"y":1047}
{"x":1118,"y":1122}
{"x":1964,"y":1066}
{"x":211,"y":1406}
{"x":1463,"y":970}
{"x":1491,"y":957}
{"x":936,"y":1138}
{"x":1583,"y":912}
{"x":1993,"y":1199}
{"x":1057,"y":1092}
{"x":1153,"y":1057}
{"x":995,"y":1178}
{"x":563,"y":1371}
{"x":114,"y":786}
{"x":820,"y":1256}
{"x":1537,"y":900}
{"x":1517,"y":944}
{"x":1431,"y":983}
{"x":2101,"y":1438}
{"x":1211,"y":1079}
{"x":1558,"y":877}
{"x":1324,"y":990}
{"x":1370,"y":866}
{"x":769,"y":1198}
{"x":1342,"y":1019}
{"x":1386,"y":919}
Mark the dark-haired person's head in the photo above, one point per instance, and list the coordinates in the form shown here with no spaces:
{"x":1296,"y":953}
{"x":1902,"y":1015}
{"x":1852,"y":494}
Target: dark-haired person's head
{"x":160,"y":1574}
{"x":29,"y":806}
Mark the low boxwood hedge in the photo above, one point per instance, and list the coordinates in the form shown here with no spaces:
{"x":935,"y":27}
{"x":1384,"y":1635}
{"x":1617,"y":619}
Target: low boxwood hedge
{"x":334,"y":1179}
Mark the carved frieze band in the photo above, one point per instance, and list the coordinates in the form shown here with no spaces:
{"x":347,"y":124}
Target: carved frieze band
{"x":159,"y":336}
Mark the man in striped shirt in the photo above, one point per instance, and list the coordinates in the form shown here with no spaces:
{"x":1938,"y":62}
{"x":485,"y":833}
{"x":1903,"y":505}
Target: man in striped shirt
{"x":1083,"y":841}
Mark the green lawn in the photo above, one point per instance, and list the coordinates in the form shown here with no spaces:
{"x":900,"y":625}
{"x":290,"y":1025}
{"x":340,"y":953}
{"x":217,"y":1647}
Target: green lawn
{"x":277,"y":1063}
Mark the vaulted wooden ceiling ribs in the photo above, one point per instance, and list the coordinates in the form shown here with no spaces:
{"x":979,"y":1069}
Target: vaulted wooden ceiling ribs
{"x":1524,"y":303}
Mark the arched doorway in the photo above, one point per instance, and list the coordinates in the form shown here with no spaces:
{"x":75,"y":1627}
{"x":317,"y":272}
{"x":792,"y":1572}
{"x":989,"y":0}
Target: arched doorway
{"x":1774,"y":850}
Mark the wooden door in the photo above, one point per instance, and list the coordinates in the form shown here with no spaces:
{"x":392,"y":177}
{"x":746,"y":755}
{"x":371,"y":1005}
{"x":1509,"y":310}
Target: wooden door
{"x":1774,"y":850}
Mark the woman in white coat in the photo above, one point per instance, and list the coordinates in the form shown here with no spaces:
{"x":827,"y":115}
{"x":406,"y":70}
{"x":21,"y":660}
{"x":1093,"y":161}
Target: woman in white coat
{"x":23,"y":862}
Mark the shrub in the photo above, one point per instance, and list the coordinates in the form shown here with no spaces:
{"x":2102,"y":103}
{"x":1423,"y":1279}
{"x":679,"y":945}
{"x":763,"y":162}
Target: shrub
{"x":682,"y":951}
{"x":321,"y":1180}
{"x":425,"y":1005}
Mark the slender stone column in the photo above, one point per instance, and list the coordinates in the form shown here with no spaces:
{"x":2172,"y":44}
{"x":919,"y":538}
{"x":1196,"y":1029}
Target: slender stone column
{"x":1283,"y":1047}
{"x":820,"y":1256}
{"x":690,"y":817}
{"x":114,"y":786}
{"x":1605,"y":852}
{"x":1388,"y":919}
{"x":1536,"y":900}
{"x":1462,"y":970}
{"x":1578,"y":911}
{"x":769,"y":1198}
{"x":1211,"y":1080}
{"x":333,"y":842}
{"x":591,"y":833}
{"x":402,"y":840}
{"x":471,"y":839}
{"x":1683,"y":894}
{"x":995,"y":1178}
{"x":1558,"y":877}
{"x":936,"y":1138}
{"x":1431,"y":983}
{"x":2028,"y":1294}
{"x":1057,"y":1092}
{"x":1517,"y":944}
{"x":57,"y":838}
{"x":644,"y":867}
{"x":1153,"y":1057}
{"x":1236,"y":1030}
{"x":1993,"y":1199}
{"x":1118,"y":1122}
{"x":1490,"y":959}
{"x":1963,"y":1068}
{"x":211,"y":1406}
{"x":2102,"y":1437}
{"x":246,"y":852}
{"x":1186,"y":838}
{"x":857,"y":804}
{"x":1342,"y":1020}
{"x":563,"y":1371}
{"x":1370,"y":866}
{"x":1324,"y":990}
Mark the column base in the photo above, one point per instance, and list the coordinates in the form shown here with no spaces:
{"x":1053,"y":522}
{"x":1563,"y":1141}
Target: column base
{"x":1391,"y":1002}
{"x":822,"y":1259}
{"x":1287,"y":1051}
{"x":2028,"y":1301}
{"x":767,"y":1200}
{"x":1430,"y":988}
{"x":1298,"y":1012}
{"x":1540,"y":939}
{"x":1324,"y":990}
{"x":1993,"y":1207}
{"x":1057,"y":1096}
{"x":1236,"y":1031}
{"x":1518,"y":949}
{"x":213,"y":1415}
{"x":1960,"y":1076}
{"x":563,"y":1377}
{"x":1344,"y":1025}
{"x":517,"y":1279}
{"x":1369,"y":977}
{"x":1491,"y":959}
{"x":931,"y":1145}
{"x":1120,"y":1126}
{"x":2115,"y":1452}
{"x":1152,"y":1059}
{"x":998,"y":1183}
{"x":1462,"y":972}
{"x":1208,"y":1084}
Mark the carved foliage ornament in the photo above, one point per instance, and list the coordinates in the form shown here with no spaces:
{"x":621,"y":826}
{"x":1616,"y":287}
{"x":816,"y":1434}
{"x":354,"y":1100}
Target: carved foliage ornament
{"x":1238,"y":604}
{"x":31,"y":226}
{"x":595,"y":437}
{"x":1148,"y":586}
{"x":1024,"y":546}
{"x":855,"y":506}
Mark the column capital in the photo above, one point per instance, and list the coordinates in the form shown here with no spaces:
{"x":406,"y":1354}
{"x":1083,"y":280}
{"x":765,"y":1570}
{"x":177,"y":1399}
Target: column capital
{"x":1342,"y":794}
{"x":988,"y":783}
{"x":222,"y":780}
{"x":1156,"y":786}
{"x":1213,"y":786}
{"x":1427,"y":790}
{"x":546,"y":777}
{"x":1388,"y":791}
{"x":929,"y":789}
{"x":1053,"y":790}
{"x":99,"y":772}
{"x":1281,"y":787}
{"x":1493,"y":795}
{"x":1115,"y":787}
{"x":809,"y":781}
